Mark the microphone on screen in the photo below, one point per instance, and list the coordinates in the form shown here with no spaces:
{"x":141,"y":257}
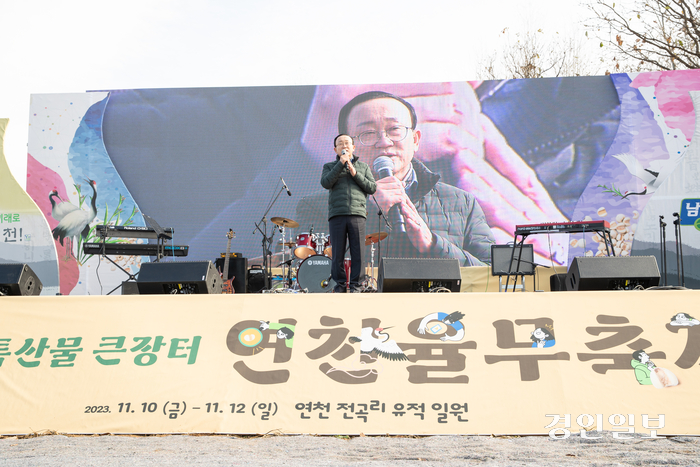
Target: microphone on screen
{"x":384,"y":167}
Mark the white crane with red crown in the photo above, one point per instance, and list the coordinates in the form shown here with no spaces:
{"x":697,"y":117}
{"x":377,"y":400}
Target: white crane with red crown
{"x":61,"y":208}
{"x":377,"y":342}
{"x":74,"y":222}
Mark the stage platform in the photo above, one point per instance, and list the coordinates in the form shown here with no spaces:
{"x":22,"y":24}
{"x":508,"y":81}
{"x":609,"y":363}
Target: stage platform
{"x":477,"y":279}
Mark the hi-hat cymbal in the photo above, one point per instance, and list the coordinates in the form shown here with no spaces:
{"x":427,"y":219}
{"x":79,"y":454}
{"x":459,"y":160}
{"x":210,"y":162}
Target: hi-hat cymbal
{"x":284,"y":222}
{"x":289,"y":244}
{"x":375,"y":237}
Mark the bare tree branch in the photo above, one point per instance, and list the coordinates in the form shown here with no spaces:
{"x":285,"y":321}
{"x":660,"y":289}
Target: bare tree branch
{"x":534,"y":55}
{"x":643,"y":35}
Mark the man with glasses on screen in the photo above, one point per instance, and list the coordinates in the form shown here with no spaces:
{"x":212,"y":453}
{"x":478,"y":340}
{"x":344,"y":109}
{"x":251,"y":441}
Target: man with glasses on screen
{"x":429,"y":218}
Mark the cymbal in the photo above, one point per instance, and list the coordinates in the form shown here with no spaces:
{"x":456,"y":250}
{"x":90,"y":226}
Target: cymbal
{"x":375,"y":237}
{"x":289,"y":244}
{"x":284,"y":222}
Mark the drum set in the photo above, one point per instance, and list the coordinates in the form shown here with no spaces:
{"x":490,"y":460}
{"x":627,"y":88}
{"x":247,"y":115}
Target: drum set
{"x":308,"y":268}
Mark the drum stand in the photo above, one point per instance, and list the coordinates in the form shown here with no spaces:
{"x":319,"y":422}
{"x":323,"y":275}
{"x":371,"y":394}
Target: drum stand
{"x":284,"y":245}
{"x":371,"y":281}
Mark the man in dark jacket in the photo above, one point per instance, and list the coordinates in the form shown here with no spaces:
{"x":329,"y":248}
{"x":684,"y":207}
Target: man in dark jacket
{"x":349,"y":181}
{"x":440,"y":221}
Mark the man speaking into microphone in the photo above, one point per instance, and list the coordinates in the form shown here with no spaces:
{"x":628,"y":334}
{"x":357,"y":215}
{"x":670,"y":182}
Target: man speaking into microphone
{"x":349,"y":182}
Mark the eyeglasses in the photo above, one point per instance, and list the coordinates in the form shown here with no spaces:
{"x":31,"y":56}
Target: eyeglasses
{"x":371,"y":137}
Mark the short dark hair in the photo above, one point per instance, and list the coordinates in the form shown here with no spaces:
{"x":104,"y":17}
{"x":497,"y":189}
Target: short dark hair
{"x":368,"y":96}
{"x":453,"y":317}
{"x":637,"y":355}
{"x":335,"y":140}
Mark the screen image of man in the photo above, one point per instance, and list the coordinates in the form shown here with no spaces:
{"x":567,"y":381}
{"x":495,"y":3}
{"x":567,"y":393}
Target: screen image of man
{"x":429,"y":219}
{"x":348,"y":181}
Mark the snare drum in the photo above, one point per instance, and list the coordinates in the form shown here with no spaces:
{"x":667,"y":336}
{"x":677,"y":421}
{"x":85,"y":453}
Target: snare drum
{"x":314,"y":274}
{"x":306,"y":245}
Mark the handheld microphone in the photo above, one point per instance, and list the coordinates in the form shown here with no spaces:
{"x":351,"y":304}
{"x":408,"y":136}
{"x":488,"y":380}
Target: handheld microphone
{"x":343,"y":152}
{"x":285,"y":187}
{"x":384,"y":167}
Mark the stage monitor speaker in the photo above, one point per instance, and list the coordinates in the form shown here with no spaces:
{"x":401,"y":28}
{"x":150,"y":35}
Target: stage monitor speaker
{"x":238,"y":270}
{"x":19,"y":279}
{"x":612,"y":273}
{"x":418,"y":275}
{"x":179,"y":277}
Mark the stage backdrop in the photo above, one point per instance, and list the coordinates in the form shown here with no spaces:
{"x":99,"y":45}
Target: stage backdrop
{"x":25,"y":236}
{"x":436,"y":363}
{"x":207,"y":160}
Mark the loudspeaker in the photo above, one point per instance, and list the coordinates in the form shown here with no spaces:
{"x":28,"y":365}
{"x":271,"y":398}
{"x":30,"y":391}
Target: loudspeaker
{"x":612,"y":273}
{"x":19,"y":279}
{"x":557,"y":282}
{"x":256,"y":279}
{"x":180,"y":277}
{"x":238,"y":269}
{"x":130,"y":288}
{"x":418,"y":275}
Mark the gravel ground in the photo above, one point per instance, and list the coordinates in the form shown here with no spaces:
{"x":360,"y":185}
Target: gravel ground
{"x":220,"y":450}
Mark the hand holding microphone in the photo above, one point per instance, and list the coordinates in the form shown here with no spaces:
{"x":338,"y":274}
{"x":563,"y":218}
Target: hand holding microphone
{"x":344,"y":157}
{"x":384,"y":167}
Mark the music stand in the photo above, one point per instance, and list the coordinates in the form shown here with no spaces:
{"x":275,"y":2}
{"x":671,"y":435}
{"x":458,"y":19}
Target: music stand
{"x":507,"y":262}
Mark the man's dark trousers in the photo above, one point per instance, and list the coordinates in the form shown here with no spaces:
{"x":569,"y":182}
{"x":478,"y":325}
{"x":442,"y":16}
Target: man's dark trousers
{"x":351,"y":228}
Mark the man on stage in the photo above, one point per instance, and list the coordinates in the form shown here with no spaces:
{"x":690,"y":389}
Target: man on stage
{"x":349,"y":181}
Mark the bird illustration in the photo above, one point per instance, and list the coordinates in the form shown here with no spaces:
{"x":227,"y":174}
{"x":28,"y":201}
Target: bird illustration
{"x":61,"y":208}
{"x":653,"y":176}
{"x":76,"y":222}
{"x":375,"y":341}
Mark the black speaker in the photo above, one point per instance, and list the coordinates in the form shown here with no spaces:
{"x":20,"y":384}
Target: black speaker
{"x":418,"y":275}
{"x":256,"y":279}
{"x":238,"y":269}
{"x":18,"y":279}
{"x":179,"y":277}
{"x":557,"y":282}
{"x":130,"y":288}
{"x":612,"y":273}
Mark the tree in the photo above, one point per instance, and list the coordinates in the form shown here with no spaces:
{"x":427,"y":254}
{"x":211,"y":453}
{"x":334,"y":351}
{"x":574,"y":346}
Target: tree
{"x":644,"y":35}
{"x":534,"y":55}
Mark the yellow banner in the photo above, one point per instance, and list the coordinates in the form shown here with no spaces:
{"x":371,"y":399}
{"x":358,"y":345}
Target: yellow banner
{"x":517,"y":363}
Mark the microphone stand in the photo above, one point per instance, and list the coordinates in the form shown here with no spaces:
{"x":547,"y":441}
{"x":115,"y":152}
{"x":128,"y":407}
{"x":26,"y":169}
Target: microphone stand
{"x":534,"y":271}
{"x":662,"y":237}
{"x":266,"y":242}
{"x":679,"y":250}
{"x":380,"y":215}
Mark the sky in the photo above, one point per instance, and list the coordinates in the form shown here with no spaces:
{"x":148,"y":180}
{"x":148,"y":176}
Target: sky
{"x":80,"y":45}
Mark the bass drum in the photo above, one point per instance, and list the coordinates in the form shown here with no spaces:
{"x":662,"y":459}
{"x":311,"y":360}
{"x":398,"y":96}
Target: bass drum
{"x":314,"y":274}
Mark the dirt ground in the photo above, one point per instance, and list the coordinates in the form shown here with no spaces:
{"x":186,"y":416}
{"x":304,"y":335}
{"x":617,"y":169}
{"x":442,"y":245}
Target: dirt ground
{"x":220,"y":450}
